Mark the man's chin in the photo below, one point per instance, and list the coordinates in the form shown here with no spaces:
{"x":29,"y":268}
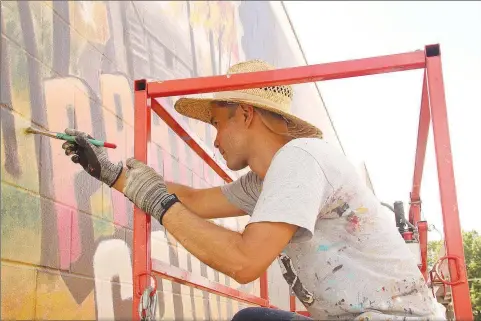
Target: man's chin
{"x":236,"y":167}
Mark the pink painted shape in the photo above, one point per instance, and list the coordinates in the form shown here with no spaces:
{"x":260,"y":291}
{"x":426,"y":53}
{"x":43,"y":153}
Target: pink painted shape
{"x":197,"y":167}
{"x":183,"y":174}
{"x":168,"y":172}
{"x":64,"y":231}
{"x":209,"y":175}
{"x":196,"y":181}
{"x":119,"y":208}
{"x":76,"y":247}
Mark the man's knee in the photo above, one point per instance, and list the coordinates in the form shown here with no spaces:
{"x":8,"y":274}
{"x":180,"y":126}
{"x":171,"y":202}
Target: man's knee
{"x":253,"y":314}
{"x":265,"y":314}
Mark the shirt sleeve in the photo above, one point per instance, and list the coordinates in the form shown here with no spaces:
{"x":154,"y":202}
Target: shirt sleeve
{"x":244,"y":192}
{"x":293,"y":192}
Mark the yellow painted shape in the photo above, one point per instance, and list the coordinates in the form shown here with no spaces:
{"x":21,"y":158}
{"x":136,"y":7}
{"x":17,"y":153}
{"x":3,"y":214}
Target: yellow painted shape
{"x":42,"y":20}
{"x":21,"y":225}
{"x":186,"y":306}
{"x":55,"y":302}
{"x":105,"y":207}
{"x":96,"y":205}
{"x":214,"y":308}
{"x":27,"y":174}
{"x":169,"y":313}
{"x":361,"y":210}
{"x":102,"y":228}
{"x":235,"y":306}
{"x":90,"y":19}
{"x":199,"y":304}
{"x":18,"y":292}
{"x":223,"y":309}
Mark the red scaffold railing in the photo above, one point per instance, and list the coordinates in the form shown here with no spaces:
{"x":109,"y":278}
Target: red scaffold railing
{"x":433,"y":107}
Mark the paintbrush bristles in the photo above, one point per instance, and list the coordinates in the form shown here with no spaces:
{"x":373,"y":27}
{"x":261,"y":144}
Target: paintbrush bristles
{"x":30,"y":130}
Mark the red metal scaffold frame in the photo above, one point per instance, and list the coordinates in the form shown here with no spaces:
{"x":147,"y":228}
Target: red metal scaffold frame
{"x":433,"y":106}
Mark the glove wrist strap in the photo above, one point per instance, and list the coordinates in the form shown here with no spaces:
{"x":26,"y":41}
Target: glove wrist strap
{"x":166,"y":204}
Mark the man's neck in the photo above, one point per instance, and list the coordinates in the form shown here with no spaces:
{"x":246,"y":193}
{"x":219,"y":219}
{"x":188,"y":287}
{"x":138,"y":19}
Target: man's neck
{"x":263,"y":153}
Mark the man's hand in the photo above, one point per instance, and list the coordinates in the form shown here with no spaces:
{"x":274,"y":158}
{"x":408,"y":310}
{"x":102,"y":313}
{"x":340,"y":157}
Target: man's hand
{"x":146,"y":189}
{"x":92,"y":158}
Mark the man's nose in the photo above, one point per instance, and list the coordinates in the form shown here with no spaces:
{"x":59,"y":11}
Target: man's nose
{"x":216,"y":142}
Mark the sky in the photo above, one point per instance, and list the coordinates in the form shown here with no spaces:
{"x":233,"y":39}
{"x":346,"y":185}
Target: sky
{"x":376,"y":117}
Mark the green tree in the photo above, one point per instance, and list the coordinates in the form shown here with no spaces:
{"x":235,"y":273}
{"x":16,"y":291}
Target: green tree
{"x":472,"y":254}
{"x":433,"y":252}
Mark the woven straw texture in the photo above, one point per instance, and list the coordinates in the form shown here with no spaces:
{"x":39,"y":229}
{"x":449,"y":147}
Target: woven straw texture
{"x":277,"y":99}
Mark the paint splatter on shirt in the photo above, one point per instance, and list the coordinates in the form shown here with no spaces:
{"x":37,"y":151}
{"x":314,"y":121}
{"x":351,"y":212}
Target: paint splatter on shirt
{"x":347,"y":259}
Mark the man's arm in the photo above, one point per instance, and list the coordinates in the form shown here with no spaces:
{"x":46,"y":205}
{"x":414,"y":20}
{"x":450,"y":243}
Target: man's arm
{"x":206,"y":203}
{"x":287,"y":209}
{"x":244,"y":257}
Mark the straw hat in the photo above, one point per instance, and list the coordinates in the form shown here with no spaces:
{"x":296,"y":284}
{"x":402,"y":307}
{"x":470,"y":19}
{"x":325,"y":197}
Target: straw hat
{"x":276,"y":99}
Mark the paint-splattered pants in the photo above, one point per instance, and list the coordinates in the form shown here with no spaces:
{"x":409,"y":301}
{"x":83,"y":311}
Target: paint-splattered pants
{"x":266,"y":314}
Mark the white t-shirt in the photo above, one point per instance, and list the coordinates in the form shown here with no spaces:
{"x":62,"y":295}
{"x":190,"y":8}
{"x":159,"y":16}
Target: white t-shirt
{"x":347,"y":260}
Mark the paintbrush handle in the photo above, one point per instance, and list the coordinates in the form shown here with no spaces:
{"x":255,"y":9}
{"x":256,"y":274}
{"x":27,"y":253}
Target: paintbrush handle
{"x":95,"y":142}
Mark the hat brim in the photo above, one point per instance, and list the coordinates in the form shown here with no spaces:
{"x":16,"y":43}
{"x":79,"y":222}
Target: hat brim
{"x":200,"y":109}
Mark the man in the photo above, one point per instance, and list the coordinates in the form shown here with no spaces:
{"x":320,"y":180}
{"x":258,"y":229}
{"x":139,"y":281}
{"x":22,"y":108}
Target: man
{"x":339,"y":251}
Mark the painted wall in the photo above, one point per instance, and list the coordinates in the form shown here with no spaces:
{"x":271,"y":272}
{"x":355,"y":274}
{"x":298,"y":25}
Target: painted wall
{"x":66,"y":240}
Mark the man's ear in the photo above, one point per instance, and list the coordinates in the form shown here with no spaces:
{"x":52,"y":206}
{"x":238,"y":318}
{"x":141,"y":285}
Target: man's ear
{"x":247,"y":113}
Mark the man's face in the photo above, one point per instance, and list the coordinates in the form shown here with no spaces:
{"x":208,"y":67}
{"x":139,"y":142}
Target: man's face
{"x":231,"y":138}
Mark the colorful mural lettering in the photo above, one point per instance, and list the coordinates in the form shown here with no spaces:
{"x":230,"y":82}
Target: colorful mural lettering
{"x":66,"y":239}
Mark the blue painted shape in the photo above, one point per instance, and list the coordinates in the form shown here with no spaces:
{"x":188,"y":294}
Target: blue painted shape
{"x":323,"y":248}
{"x":358,"y":306}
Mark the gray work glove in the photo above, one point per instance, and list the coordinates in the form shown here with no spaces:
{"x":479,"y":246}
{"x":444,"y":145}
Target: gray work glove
{"x":92,"y":158}
{"x":146,"y":189}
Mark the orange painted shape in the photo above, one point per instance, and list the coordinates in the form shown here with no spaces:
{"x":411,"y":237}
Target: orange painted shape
{"x":63,"y":97}
{"x":113,"y":202}
{"x":117,"y":96}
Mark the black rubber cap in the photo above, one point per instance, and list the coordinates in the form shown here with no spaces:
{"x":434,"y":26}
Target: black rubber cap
{"x":433,"y":50}
{"x":140,"y":85}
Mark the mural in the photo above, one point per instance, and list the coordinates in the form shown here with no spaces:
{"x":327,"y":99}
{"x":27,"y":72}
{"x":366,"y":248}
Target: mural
{"x":67,"y":240}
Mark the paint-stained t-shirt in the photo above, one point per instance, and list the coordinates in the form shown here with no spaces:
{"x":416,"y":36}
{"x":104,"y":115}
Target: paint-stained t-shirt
{"x":347,"y":259}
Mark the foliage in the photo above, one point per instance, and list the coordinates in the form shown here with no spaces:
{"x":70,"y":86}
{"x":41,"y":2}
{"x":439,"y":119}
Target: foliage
{"x":472,"y":253}
{"x":433,"y":252}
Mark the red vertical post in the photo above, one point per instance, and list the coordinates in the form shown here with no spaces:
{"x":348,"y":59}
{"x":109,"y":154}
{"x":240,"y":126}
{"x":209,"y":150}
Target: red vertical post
{"x":447,"y":187}
{"x":423,"y":130}
{"x":292,"y":303}
{"x":141,"y":244}
{"x":423,"y":244}
{"x":264,"y":287}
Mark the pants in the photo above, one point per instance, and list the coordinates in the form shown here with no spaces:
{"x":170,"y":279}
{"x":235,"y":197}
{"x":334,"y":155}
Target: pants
{"x":266,"y":314}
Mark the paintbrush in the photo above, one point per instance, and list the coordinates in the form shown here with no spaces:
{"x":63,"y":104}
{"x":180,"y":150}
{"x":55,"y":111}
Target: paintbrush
{"x":69,"y":138}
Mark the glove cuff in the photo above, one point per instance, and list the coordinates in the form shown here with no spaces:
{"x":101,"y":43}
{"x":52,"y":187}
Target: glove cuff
{"x":112,"y":173}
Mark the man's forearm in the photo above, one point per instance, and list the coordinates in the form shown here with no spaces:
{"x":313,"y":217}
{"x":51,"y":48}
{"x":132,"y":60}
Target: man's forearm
{"x":214,"y":245}
{"x":220,"y":248}
{"x":120,"y":182}
{"x":183,"y":192}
